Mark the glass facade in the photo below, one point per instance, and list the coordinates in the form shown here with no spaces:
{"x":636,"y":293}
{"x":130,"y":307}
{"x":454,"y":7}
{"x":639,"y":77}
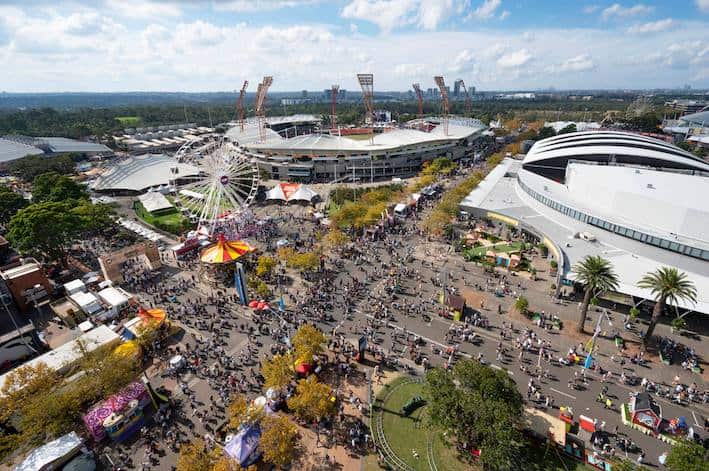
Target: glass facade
{"x":672,"y":246}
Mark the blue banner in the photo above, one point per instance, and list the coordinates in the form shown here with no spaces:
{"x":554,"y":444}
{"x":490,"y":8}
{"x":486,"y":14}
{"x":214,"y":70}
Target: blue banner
{"x":240,"y":284}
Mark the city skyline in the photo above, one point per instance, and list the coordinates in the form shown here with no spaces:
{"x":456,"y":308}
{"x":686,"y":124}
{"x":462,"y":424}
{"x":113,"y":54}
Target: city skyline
{"x":204,"y":46}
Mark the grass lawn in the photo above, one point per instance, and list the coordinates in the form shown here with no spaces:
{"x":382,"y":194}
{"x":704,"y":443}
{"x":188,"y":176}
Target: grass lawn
{"x":129,"y":120}
{"x":170,"y":221}
{"x":405,"y":434}
{"x":501,"y":247}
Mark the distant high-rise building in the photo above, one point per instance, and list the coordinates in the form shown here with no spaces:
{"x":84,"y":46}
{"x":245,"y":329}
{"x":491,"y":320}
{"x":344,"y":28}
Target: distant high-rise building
{"x":304,"y":94}
{"x":472,"y":91}
{"x":457,"y":85}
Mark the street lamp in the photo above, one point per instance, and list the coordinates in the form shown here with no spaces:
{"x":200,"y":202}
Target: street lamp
{"x":14,"y":322}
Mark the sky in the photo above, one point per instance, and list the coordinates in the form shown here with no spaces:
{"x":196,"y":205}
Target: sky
{"x":214,"y":45}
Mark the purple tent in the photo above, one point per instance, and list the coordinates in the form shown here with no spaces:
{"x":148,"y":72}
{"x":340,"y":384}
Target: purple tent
{"x":243,"y":447}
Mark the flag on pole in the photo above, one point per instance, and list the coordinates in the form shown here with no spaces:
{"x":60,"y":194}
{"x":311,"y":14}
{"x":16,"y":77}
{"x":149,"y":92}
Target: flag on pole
{"x":589,"y":361}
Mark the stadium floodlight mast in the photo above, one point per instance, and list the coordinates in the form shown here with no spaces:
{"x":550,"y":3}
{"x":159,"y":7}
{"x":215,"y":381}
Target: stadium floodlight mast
{"x":333,"y":95}
{"x":241,"y":113}
{"x":261,"y":106}
{"x":444,"y":102}
{"x":366,"y":81}
{"x":419,"y":97}
{"x":226,"y":185}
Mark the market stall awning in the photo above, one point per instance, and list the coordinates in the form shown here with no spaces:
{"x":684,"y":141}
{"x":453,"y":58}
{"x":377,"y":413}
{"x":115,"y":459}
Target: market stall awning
{"x":225,"y":251}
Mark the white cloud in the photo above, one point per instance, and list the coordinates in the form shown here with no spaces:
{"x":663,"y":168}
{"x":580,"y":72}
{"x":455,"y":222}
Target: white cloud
{"x":504,"y":14}
{"x":653,"y":26}
{"x":386,"y":14}
{"x":618,"y":10}
{"x":588,"y":9}
{"x":464,"y":61}
{"x":515,"y":59}
{"x":353,"y":28}
{"x":703,"y":5}
{"x":392,"y":14}
{"x":250,"y":6}
{"x":141,"y":10}
{"x":486,"y":10}
{"x":580,"y":63}
{"x":409,"y":71}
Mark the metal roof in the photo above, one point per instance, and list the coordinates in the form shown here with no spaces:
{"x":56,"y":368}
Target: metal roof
{"x":142,"y":172}
{"x":577,"y":145}
{"x":11,"y":150}
{"x":62,"y":144}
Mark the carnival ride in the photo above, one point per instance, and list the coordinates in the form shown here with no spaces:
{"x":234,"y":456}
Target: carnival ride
{"x":225,"y":251}
{"x":226,"y":185}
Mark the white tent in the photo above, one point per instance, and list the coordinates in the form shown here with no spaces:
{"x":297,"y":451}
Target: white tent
{"x":52,"y":455}
{"x":276,"y":193}
{"x":154,"y":201}
{"x":303,"y":194}
{"x":290,"y":192}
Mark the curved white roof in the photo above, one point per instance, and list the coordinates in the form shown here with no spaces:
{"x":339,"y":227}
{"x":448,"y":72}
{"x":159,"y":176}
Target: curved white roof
{"x":613,"y":143}
{"x":141,"y":172}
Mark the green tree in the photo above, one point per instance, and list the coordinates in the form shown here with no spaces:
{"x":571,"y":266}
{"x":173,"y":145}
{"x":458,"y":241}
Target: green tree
{"x":596,"y":274}
{"x":10,"y":203}
{"x":687,"y":456}
{"x":278,"y":440}
{"x":51,"y":186}
{"x":312,"y":400}
{"x":668,"y":286}
{"x":568,"y":129}
{"x":545,"y":132}
{"x":27,"y":168}
{"x":44,"y":229}
{"x":480,"y":407}
{"x":522,"y":304}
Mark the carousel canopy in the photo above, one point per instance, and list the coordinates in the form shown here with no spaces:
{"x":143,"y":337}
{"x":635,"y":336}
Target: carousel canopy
{"x":225,"y":251}
{"x":290,"y":192}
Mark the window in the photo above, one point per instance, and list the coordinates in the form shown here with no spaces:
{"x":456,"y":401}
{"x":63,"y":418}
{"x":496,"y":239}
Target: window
{"x":674,"y":246}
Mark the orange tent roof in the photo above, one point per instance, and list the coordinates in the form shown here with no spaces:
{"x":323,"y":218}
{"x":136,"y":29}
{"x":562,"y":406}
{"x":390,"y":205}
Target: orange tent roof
{"x":225,"y":251}
{"x":149,"y":315}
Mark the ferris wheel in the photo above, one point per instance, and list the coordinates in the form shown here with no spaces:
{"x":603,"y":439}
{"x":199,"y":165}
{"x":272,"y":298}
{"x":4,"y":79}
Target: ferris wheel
{"x":225,"y":186}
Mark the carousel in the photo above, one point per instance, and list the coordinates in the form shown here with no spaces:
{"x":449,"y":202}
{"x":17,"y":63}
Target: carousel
{"x":217,"y":261}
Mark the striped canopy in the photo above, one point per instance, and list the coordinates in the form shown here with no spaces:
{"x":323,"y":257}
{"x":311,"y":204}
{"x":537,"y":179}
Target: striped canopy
{"x":225,"y":251}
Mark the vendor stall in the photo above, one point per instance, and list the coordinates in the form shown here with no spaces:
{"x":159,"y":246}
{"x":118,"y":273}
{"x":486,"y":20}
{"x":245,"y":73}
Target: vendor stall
{"x":119,"y":416}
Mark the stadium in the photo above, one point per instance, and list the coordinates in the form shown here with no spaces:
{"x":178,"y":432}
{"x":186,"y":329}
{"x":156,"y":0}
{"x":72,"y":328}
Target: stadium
{"x":637,"y":201}
{"x":287,"y":149}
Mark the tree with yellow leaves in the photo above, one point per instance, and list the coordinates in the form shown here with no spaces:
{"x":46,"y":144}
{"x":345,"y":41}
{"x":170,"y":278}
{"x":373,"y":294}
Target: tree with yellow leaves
{"x":335,"y":238}
{"x":308,"y":341}
{"x":278,"y":372}
{"x":195,"y":456}
{"x":241,"y":411}
{"x":313,"y":400}
{"x":278,"y":440}
{"x":23,"y":384}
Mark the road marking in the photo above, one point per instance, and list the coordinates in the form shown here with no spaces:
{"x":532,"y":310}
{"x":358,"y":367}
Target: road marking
{"x":563,"y":393}
{"x":497,"y":367}
{"x":695,"y":419}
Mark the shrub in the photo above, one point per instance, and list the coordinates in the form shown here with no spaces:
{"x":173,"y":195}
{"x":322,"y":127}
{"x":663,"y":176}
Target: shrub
{"x":522,"y":305}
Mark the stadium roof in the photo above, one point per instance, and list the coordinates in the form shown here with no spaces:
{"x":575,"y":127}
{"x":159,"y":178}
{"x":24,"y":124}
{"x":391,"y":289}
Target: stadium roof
{"x":631,"y":259}
{"x":700,"y":119}
{"x":580,"y":145}
{"x":142,"y":172}
{"x":390,"y":140}
{"x":11,"y":150}
{"x":57,"y":145}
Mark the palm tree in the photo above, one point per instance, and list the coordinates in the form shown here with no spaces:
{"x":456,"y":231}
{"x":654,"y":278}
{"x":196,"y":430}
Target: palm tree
{"x":667,"y":285}
{"x":596,"y":275}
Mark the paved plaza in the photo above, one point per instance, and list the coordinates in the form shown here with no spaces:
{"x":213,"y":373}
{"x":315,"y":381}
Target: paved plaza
{"x":388,"y":290}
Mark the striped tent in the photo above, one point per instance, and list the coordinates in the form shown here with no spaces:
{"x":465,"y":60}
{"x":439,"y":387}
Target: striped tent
{"x":225,"y":251}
